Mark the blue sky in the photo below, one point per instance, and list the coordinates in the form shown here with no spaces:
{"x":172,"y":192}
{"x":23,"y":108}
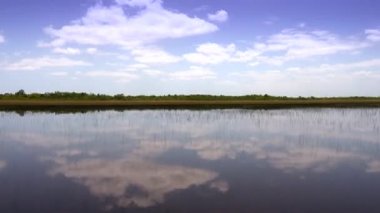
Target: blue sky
{"x":278,"y":47}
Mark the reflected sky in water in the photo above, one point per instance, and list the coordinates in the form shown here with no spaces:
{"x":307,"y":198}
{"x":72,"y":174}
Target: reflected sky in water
{"x":298,"y":160}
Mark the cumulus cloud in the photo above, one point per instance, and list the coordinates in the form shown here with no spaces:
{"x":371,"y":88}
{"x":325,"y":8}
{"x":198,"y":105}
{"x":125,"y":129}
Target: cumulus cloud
{"x":45,"y":62}
{"x":373,"y":34}
{"x":67,"y":51}
{"x":211,"y":53}
{"x":111,"y":25}
{"x":219,"y":16}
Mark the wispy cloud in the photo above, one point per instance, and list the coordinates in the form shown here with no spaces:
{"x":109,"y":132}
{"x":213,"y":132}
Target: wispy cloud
{"x":373,"y":34}
{"x":118,"y":76}
{"x":137,"y":67}
{"x":67,"y":51}
{"x":44,"y":62}
{"x":356,"y":78}
{"x":271,"y":20}
{"x":153,"y":55}
{"x":2,"y":39}
{"x":194,"y":73}
{"x":288,"y":45}
{"x":91,"y":50}
{"x":373,"y":166}
{"x":140,"y":3}
{"x":297,"y":44}
{"x":3,"y":164}
{"x":59,"y":74}
{"x":293,"y":44}
{"x":219,"y":16}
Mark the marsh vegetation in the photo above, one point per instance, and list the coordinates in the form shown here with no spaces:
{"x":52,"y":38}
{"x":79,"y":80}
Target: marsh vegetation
{"x":22,"y":100}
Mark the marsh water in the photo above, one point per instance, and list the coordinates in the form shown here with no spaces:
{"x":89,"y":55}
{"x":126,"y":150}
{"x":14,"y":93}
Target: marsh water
{"x":288,"y":160}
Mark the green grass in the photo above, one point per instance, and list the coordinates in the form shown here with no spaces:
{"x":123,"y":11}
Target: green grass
{"x":69,"y":100}
{"x":137,"y":104}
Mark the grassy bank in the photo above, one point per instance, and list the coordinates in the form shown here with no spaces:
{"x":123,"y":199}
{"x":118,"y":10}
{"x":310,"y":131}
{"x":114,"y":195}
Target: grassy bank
{"x":173,"y":104}
{"x":71,"y":100}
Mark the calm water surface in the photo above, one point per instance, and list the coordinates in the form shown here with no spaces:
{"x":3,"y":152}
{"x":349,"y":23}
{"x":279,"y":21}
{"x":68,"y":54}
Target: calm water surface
{"x":298,"y":160}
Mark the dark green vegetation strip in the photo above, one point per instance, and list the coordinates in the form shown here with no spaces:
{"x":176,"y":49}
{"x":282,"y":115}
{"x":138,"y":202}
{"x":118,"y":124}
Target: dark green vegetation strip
{"x":83,"y":101}
{"x":180,"y":104}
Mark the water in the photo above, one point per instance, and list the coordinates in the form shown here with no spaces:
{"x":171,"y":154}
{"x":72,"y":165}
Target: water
{"x":297,"y":160}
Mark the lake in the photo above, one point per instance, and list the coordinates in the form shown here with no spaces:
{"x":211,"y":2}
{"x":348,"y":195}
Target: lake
{"x":286,"y":160}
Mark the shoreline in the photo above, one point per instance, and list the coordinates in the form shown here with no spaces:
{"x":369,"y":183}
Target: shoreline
{"x":9,"y":105}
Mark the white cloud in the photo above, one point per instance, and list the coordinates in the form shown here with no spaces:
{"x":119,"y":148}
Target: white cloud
{"x":104,"y":25}
{"x":373,"y":166}
{"x":137,"y":67}
{"x":249,"y":55}
{"x":140,"y":3}
{"x":220,"y":185}
{"x":91,"y":50}
{"x":67,"y":51}
{"x":3,"y":164}
{"x":153,"y":73}
{"x":302,"y":25}
{"x":2,"y":39}
{"x":111,"y":178}
{"x":44,"y":62}
{"x":288,"y":45}
{"x":219,"y":16}
{"x":268,"y":22}
{"x":152,"y":55}
{"x":211,"y":53}
{"x":114,"y":74}
{"x":293,"y":44}
{"x":367,"y":64}
{"x":355,"y":79}
{"x":59,"y":74}
{"x":271,"y":20}
{"x":119,"y":76}
{"x":373,"y":34}
{"x":194,"y":73}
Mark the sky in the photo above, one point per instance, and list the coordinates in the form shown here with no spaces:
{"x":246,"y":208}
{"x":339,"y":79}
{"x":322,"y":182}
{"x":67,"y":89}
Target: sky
{"x":157,"y":47}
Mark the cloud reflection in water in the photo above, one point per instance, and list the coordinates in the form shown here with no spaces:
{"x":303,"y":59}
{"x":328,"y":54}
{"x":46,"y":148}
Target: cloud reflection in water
{"x":148,"y":180}
{"x":116,"y":154}
{"x":3,"y":164}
